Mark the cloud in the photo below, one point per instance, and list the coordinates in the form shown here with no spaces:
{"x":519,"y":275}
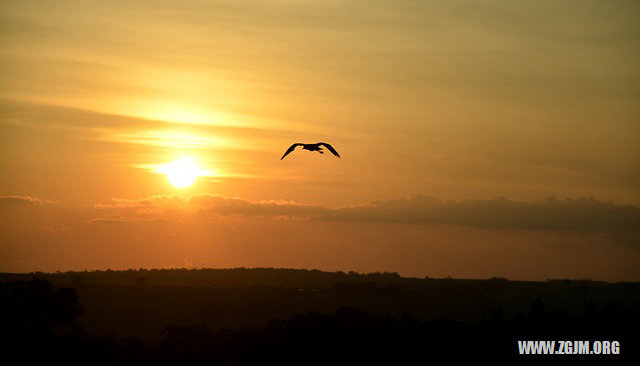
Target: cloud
{"x":24,"y":200}
{"x":546,"y":214}
{"x":160,"y":202}
{"x":227,"y":205}
{"x":215,"y":204}
{"x":582,"y":214}
{"x":110,"y":221}
{"x":125,"y":220}
{"x":55,"y":230}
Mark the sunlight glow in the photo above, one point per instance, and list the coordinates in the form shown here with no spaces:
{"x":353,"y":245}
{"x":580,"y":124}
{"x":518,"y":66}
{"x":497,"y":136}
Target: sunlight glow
{"x":178,"y":114}
{"x":181,"y":173}
{"x":171,"y":138}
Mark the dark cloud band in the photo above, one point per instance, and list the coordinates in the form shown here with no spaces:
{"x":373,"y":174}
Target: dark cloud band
{"x":584,"y":214}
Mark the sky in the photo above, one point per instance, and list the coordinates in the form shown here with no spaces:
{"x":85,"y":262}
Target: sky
{"x":477,"y":138}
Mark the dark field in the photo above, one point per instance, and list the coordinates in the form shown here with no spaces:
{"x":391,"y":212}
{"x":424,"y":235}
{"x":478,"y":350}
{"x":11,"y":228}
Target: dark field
{"x":245,"y":315}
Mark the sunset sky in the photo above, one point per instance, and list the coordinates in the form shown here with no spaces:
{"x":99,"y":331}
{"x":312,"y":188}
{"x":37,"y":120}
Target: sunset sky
{"x":478,"y":138}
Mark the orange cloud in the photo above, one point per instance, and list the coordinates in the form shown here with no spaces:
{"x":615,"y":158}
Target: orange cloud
{"x":24,"y":200}
{"x":55,"y":230}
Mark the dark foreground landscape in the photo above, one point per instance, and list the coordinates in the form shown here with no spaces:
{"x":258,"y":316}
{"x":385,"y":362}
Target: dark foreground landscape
{"x":250,"y":316}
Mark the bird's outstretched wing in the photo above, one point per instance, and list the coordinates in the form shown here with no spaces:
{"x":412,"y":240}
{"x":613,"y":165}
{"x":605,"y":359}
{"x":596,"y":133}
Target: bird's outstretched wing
{"x":290,"y":149}
{"x":330,"y":148}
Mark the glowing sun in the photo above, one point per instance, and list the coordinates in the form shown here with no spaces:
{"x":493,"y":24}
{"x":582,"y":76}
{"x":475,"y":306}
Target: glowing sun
{"x":182,"y":173}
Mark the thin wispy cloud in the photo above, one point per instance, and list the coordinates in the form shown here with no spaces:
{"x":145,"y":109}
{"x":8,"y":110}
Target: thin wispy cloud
{"x":24,"y":200}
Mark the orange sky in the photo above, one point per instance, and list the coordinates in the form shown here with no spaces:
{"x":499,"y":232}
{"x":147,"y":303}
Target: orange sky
{"x":456,"y":100}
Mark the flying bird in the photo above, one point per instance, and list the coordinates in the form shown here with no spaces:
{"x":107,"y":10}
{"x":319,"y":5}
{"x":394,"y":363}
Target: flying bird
{"x":311,"y":147}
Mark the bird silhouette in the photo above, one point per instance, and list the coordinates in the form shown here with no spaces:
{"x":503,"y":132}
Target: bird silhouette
{"x":311,"y":147}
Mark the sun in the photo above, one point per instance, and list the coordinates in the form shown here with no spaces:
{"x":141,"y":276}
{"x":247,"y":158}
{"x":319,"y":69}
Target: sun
{"x":182,"y":173}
